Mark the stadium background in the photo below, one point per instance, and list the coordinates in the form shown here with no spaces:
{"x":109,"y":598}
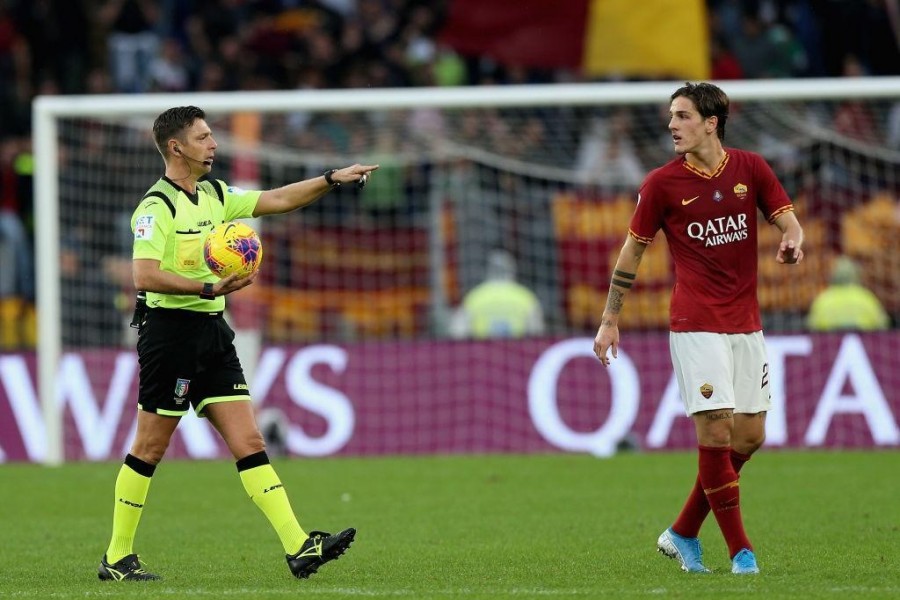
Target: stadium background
{"x":347,"y":297}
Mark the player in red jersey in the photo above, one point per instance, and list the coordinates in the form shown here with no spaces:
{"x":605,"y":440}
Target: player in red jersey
{"x":706,"y":202}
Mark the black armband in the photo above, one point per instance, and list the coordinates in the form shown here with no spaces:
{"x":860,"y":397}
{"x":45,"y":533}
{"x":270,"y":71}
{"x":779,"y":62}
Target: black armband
{"x":207,"y":293}
{"x":329,"y":180}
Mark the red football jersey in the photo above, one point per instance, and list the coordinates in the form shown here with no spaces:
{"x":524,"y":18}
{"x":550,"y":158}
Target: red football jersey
{"x":710,"y":224}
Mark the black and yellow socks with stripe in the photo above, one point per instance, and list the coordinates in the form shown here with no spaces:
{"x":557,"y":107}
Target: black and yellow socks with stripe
{"x":265,"y":489}
{"x":132,"y":485}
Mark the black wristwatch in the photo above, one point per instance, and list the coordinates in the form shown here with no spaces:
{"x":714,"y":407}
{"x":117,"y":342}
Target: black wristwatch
{"x":329,"y":180}
{"x":207,"y":293}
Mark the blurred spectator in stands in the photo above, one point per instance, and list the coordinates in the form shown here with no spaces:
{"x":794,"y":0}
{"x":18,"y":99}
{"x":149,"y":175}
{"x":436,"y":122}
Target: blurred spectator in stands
{"x":236,"y":62}
{"x":867,"y":29}
{"x":58,"y":37}
{"x":14,"y":52}
{"x":845,"y":304}
{"x":344,"y":8}
{"x":385,"y":200}
{"x":447,"y":68}
{"x":16,"y":249}
{"x":789,"y":56}
{"x":607,"y":155}
{"x":418,"y":35}
{"x":893,"y":127}
{"x":322,"y":51}
{"x":213,"y":79}
{"x":98,"y":82}
{"x":801,"y":17}
{"x":767,"y":50}
{"x":880,"y":35}
{"x":725,"y":64}
{"x":726,"y":16}
{"x":381,"y":23}
{"x":132,"y":41}
{"x":90,"y":316}
{"x":15,"y":77}
{"x":169,"y":69}
{"x":212,"y":24}
{"x":752,"y":48}
{"x":499,"y":307}
{"x":853,"y":118}
{"x":532,"y":141}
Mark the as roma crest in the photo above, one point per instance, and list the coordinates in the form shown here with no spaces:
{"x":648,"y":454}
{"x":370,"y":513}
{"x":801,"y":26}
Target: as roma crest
{"x":706,"y":390}
{"x":740,"y":190}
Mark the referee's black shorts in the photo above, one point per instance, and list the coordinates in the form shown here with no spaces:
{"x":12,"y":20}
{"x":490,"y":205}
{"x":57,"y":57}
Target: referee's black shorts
{"x":187,"y":358}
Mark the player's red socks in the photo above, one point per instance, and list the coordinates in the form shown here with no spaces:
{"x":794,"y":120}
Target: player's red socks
{"x":738,"y":460}
{"x":696,"y":508}
{"x":720,"y":482}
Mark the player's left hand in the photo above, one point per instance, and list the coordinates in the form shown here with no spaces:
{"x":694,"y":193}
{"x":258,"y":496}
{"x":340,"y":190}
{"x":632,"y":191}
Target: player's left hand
{"x":233,"y":283}
{"x":789,"y":252}
{"x":358,"y":174}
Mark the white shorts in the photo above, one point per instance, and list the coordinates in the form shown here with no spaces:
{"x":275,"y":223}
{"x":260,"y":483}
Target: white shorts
{"x":721,"y":370}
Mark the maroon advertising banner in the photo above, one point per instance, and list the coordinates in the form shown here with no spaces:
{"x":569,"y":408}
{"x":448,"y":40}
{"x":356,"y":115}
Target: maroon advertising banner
{"x":428,"y":397}
{"x":530,"y":33}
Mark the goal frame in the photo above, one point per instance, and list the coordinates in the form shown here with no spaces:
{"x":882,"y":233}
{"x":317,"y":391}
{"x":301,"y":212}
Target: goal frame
{"x":49,"y":109}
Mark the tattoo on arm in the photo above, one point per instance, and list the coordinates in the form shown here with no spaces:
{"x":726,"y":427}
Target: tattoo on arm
{"x":623,"y":279}
{"x":718,"y":415}
{"x":614,"y":301}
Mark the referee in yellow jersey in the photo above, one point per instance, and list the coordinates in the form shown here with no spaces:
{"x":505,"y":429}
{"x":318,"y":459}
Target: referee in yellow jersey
{"x":185,"y":346}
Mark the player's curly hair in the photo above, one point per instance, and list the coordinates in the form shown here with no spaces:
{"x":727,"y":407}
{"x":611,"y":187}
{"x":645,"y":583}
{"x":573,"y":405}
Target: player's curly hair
{"x":710,"y":101}
{"x":172,"y":123}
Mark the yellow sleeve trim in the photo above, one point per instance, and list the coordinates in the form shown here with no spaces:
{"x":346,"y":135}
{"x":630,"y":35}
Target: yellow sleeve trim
{"x":781,"y":211}
{"x":639,"y":238}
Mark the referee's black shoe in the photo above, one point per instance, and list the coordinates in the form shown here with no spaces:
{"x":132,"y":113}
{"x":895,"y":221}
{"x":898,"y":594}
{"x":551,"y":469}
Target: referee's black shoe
{"x":318,"y":549}
{"x":127,"y":569}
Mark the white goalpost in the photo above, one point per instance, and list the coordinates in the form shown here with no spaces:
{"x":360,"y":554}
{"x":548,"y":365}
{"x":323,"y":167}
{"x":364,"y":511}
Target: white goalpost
{"x":548,"y":172}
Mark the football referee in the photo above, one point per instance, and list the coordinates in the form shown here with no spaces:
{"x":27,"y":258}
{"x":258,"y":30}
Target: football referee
{"x":185,"y":347}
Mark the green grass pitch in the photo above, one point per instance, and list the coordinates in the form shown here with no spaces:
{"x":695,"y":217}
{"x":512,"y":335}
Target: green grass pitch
{"x":825,"y":525}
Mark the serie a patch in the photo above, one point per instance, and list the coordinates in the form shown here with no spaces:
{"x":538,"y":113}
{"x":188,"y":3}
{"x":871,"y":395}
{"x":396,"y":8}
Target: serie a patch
{"x":143,"y":227}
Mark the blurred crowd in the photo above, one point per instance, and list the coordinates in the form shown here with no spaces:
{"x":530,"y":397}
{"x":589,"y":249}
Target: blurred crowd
{"x":147,"y":46}
{"x":140,"y":46}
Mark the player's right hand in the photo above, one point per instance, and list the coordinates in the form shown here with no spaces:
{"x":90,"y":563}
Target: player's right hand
{"x":607,"y":339}
{"x":789,"y":252}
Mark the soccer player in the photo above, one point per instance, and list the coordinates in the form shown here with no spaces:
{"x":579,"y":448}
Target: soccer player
{"x":187,"y":358}
{"x":706,"y":202}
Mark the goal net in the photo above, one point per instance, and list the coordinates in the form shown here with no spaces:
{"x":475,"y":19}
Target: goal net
{"x":546,"y":174}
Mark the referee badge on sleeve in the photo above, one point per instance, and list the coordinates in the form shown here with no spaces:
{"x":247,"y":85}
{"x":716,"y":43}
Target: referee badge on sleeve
{"x":143,"y":227}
